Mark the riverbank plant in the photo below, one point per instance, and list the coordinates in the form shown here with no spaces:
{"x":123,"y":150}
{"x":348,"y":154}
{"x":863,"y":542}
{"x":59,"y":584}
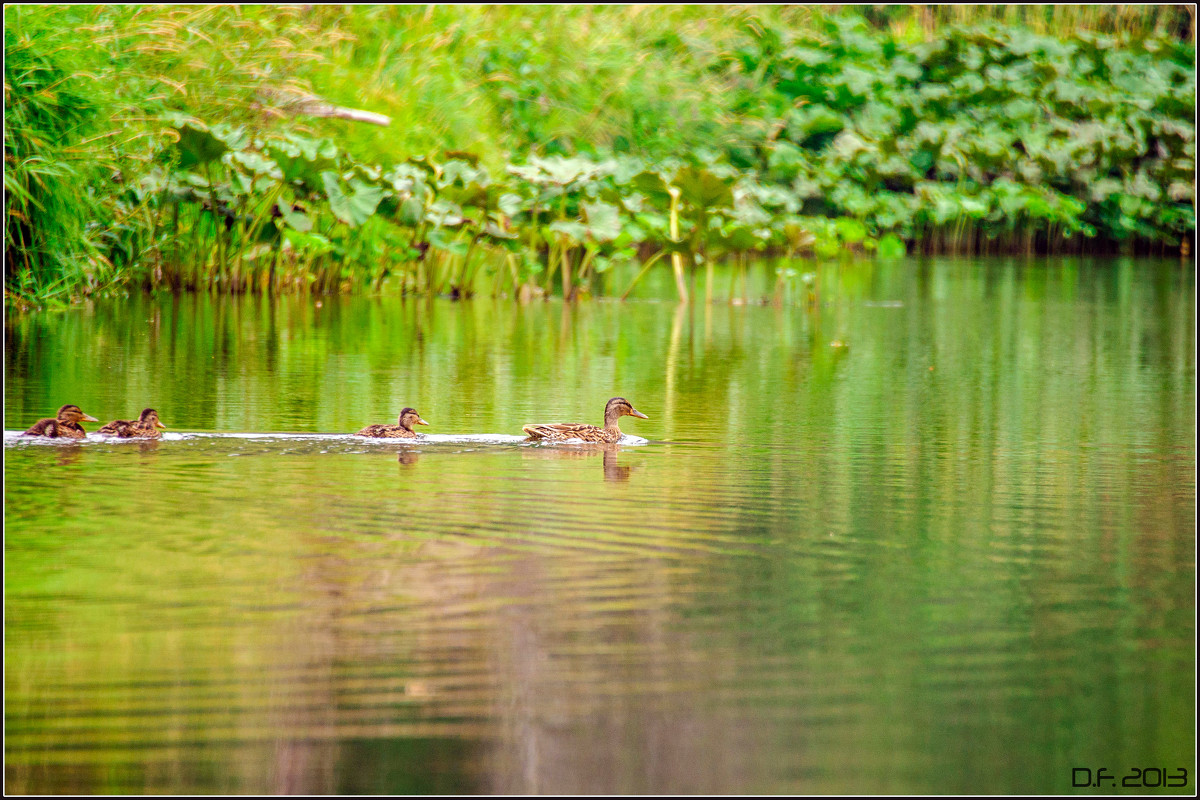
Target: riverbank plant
{"x":154,"y":146}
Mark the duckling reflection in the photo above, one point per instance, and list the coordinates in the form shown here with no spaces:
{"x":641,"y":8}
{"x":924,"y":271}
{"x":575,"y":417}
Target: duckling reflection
{"x":68,"y":455}
{"x":613,"y":471}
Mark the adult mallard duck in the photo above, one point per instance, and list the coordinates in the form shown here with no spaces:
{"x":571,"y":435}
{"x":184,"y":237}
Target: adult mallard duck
{"x":611,"y":432}
{"x":145,"y":426}
{"x":64,"y":426}
{"x":408,"y":417}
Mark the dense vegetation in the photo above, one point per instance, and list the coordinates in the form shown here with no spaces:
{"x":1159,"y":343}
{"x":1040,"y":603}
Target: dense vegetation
{"x":159,"y":146}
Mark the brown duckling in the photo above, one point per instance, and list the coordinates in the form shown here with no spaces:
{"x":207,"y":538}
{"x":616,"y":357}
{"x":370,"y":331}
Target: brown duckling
{"x":64,"y":426}
{"x":145,"y":426}
{"x":408,"y":417}
{"x":611,"y":432}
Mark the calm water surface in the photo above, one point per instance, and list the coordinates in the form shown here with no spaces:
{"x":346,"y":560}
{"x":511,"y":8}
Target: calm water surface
{"x":931,"y":531}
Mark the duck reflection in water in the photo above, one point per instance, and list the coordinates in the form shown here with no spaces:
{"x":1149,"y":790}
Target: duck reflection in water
{"x":612,"y":470}
{"x":68,"y":455}
{"x":407,"y":456}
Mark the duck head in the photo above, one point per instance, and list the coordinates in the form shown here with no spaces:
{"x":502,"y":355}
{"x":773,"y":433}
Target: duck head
{"x":619,"y":407}
{"x":73,"y":413}
{"x":149,"y":418}
{"x":409,"y":417}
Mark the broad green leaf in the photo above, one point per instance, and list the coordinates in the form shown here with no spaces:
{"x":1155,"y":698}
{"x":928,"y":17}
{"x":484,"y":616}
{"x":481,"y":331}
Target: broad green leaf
{"x":603,"y":221}
{"x":704,"y":189}
{"x":197,"y":145}
{"x":850,"y":230}
{"x":576,"y":231}
{"x":891,"y":246}
{"x":440,"y":240}
{"x":355,"y":206}
{"x":296,"y":220}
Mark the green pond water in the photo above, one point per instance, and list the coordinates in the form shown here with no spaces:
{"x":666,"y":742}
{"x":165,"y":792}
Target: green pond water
{"x":930,"y":528}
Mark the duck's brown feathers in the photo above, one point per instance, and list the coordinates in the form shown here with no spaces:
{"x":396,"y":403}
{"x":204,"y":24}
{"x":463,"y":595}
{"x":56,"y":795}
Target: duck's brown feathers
{"x":408,"y":417}
{"x":564,"y":431}
{"x":57,"y":429}
{"x":64,"y":426}
{"x":129,"y":428}
{"x":387,"y":432}
{"x":144,"y":427}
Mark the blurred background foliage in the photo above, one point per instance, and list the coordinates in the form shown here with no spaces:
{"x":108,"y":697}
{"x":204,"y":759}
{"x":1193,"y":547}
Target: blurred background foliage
{"x":162,"y":145}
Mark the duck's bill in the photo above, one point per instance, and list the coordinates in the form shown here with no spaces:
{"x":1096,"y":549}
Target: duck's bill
{"x":90,"y":418}
{"x":158,"y":424}
{"x":637,"y":413}
{"x":421,"y":421}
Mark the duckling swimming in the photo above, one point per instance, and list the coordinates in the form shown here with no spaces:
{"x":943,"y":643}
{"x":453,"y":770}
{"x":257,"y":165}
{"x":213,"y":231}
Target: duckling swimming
{"x":64,"y":426}
{"x":562,"y":431}
{"x":408,"y":417}
{"x":145,"y":426}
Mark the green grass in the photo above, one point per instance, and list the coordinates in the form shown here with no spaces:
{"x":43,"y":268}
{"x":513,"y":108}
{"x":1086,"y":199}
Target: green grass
{"x":1065,"y":128}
